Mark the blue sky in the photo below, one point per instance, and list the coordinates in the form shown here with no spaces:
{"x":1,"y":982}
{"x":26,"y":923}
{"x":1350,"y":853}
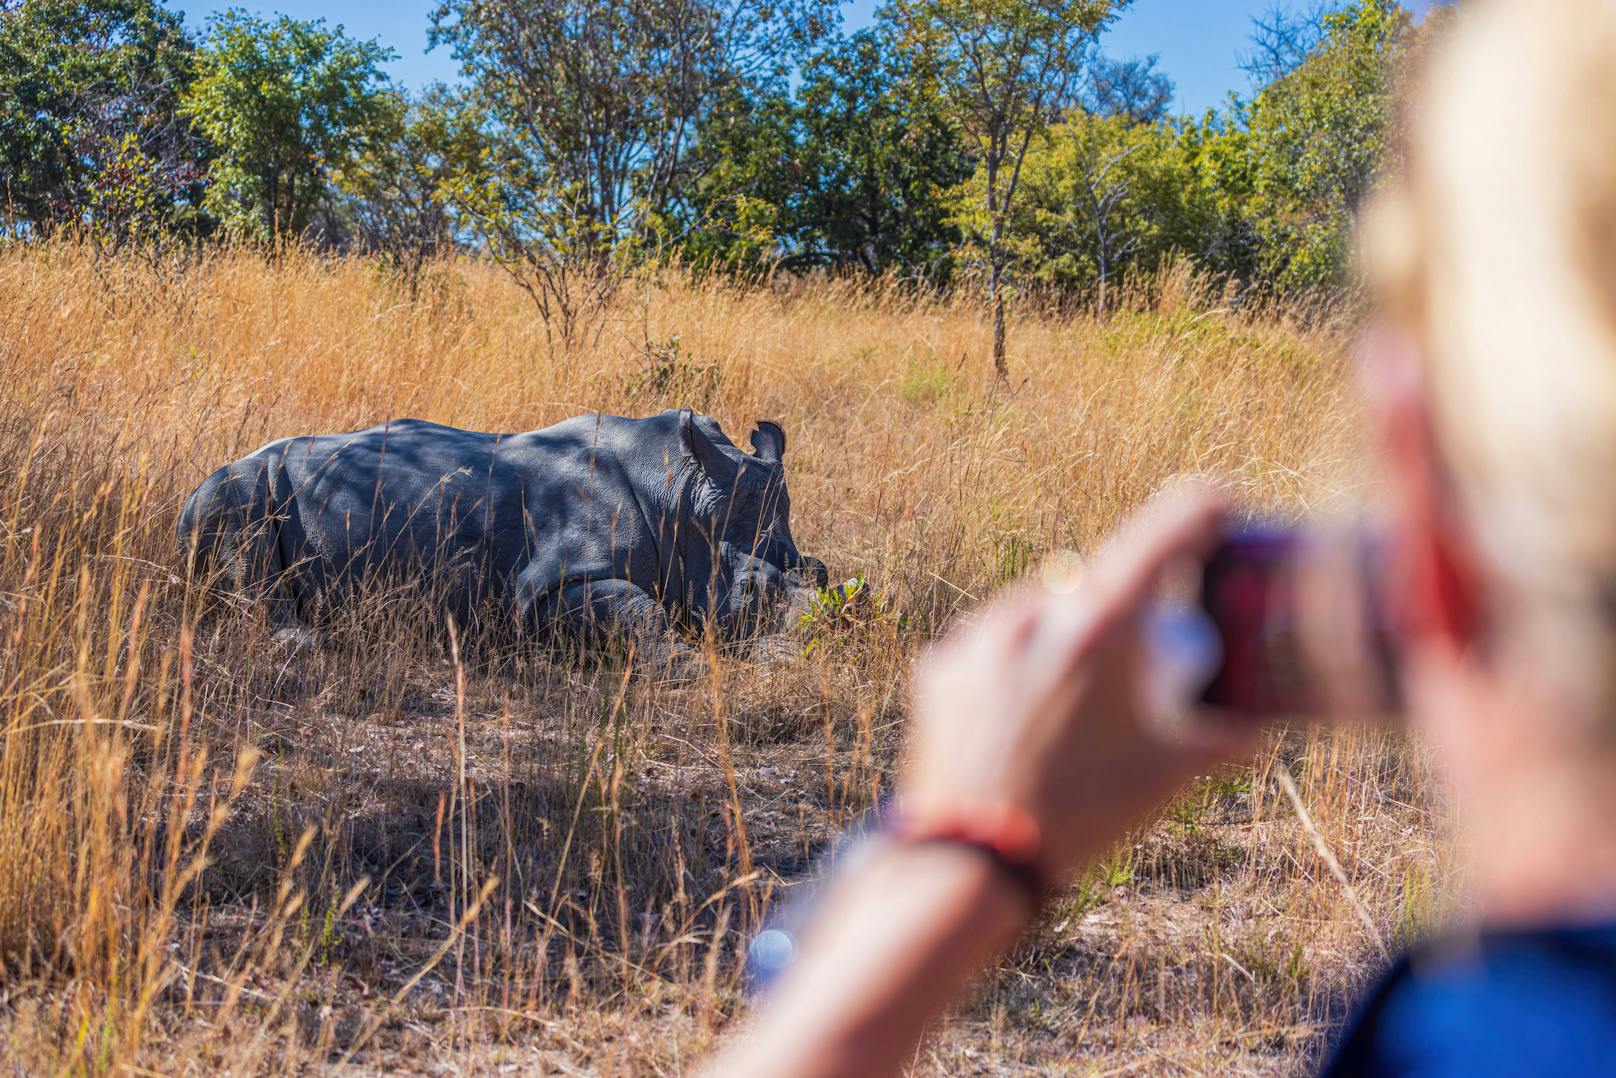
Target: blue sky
{"x":1199,"y":41}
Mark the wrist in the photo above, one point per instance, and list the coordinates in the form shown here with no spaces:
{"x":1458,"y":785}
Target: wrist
{"x":1004,"y":839}
{"x":964,"y":887}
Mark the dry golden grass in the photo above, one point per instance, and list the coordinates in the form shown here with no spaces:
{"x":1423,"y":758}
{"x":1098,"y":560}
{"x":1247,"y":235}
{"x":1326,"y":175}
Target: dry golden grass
{"x":214,"y":854}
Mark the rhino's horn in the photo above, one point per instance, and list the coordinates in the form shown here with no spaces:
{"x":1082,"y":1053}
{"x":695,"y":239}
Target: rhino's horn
{"x":769,"y":441}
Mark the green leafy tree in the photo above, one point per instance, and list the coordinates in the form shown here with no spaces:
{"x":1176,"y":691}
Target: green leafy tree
{"x":542,"y":233}
{"x":1317,"y":137}
{"x":593,"y":108}
{"x":1103,"y":195}
{"x":1004,"y":69}
{"x":881,"y":158}
{"x":287,"y":105}
{"x":596,"y":103}
{"x":400,"y":185}
{"x":853,"y":170}
{"x":743,"y":211}
{"x":1218,"y":148}
{"x":90,"y":128}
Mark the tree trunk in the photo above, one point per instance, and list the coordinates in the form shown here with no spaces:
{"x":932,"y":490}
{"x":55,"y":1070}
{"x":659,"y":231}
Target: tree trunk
{"x":1103,"y":235}
{"x":996,"y":297}
{"x":996,"y":261}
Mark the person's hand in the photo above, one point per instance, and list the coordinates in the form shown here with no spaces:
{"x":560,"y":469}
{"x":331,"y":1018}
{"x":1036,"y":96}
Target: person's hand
{"x":1039,"y":705}
{"x":1036,"y":707}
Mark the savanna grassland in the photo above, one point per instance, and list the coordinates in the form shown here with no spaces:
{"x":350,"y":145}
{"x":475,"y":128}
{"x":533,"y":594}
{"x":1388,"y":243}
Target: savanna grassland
{"x":392,"y":852}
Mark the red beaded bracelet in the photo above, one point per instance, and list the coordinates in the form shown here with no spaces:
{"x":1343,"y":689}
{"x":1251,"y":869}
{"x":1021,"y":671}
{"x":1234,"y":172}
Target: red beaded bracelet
{"x":1006,"y":835}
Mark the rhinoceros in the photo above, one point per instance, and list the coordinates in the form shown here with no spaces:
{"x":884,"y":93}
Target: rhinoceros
{"x":641,"y":527}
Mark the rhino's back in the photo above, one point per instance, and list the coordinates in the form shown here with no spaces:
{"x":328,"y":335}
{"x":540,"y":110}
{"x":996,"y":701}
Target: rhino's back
{"x":601,"y":485}
{"x":393,"y":498}
{"x":646,"y":451}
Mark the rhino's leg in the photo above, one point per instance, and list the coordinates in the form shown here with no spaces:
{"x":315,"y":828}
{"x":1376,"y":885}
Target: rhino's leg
{"x":597,"y":609}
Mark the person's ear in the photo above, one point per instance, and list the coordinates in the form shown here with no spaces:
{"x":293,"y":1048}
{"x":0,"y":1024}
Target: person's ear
{"x":1435,"y":594}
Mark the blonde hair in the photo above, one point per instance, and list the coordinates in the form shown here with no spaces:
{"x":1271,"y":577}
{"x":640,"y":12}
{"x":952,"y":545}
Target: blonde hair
{"x":1497,"y":248}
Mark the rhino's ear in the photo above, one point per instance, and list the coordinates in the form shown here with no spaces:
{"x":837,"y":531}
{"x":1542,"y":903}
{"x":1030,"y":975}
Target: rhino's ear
{"x":701,"y":448}
{"x":769,"y":441}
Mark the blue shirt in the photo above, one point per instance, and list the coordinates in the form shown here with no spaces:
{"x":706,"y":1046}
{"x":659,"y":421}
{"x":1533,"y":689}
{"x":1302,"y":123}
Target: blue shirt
{"x":1519,"y":1003}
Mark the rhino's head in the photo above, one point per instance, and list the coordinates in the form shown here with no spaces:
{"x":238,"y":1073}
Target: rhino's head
{"x":758,"y":574}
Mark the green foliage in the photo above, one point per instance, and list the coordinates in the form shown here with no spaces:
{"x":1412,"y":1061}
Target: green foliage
{"x":1096,"y":882}
{"x":1317,"y":138}
{"x":400,"y":184}
{"x":1420,"y":909}
{"x":882,"y":153}
{"x":1099,"y":882}
{"x":1102,"y":195}
{"x":1266,"y":192}
{"x":90,"y":132}
{"x":1218,"y":148}
{"x":927,"y":382}
{"x":593,"y":108}
{"x":596,"y":103}
{"x":541,"y":229}
{"x":1002,"y":69}
{"x":1013,"y":556}
{"x":287,"y":105}
{"x":1106,"y":196}
{"x":127,"y":201}
{"x":851,"y":170}
{"x":591,"y":136}
{"x":843,"y":612}
{"x":669,"y":374}
{"x":738,"y":216}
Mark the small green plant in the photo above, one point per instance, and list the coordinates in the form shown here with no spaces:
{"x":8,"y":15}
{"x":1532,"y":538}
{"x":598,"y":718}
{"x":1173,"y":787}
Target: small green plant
{"x":840,"y":611}
{"x":1227,"y":784}
{"x":1097,"y":880}
{"x":325,"y":946}
{"x":1274,"y":964}
{"x":926,"y":383}
{"x":1087,"y":898}
{"x":1014,"y":556}
{"x":1187,"y":812}
{"x":1418,"y":908}
{"x":1118,"y":871}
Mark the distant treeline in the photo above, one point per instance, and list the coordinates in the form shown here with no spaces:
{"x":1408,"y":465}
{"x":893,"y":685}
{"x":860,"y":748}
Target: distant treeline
{"x":952,"y":138}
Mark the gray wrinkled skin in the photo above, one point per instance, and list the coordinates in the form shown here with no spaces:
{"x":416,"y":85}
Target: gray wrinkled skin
{"x":597,"y":524}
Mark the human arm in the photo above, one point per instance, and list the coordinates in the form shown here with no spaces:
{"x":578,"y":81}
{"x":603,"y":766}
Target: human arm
{"x":1035,"y":707}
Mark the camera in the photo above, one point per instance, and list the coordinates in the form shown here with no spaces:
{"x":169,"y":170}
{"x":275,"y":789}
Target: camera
{"x":1301,"y":624}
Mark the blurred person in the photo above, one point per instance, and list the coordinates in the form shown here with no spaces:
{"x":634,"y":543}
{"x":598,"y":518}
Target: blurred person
{"x":1490,"y":380}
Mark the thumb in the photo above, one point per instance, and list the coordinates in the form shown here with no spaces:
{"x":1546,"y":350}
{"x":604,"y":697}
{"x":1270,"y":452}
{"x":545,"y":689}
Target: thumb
{"x":1182,"y":523}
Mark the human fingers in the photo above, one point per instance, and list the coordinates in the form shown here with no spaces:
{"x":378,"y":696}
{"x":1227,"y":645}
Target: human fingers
{"x":1180,"y":524}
